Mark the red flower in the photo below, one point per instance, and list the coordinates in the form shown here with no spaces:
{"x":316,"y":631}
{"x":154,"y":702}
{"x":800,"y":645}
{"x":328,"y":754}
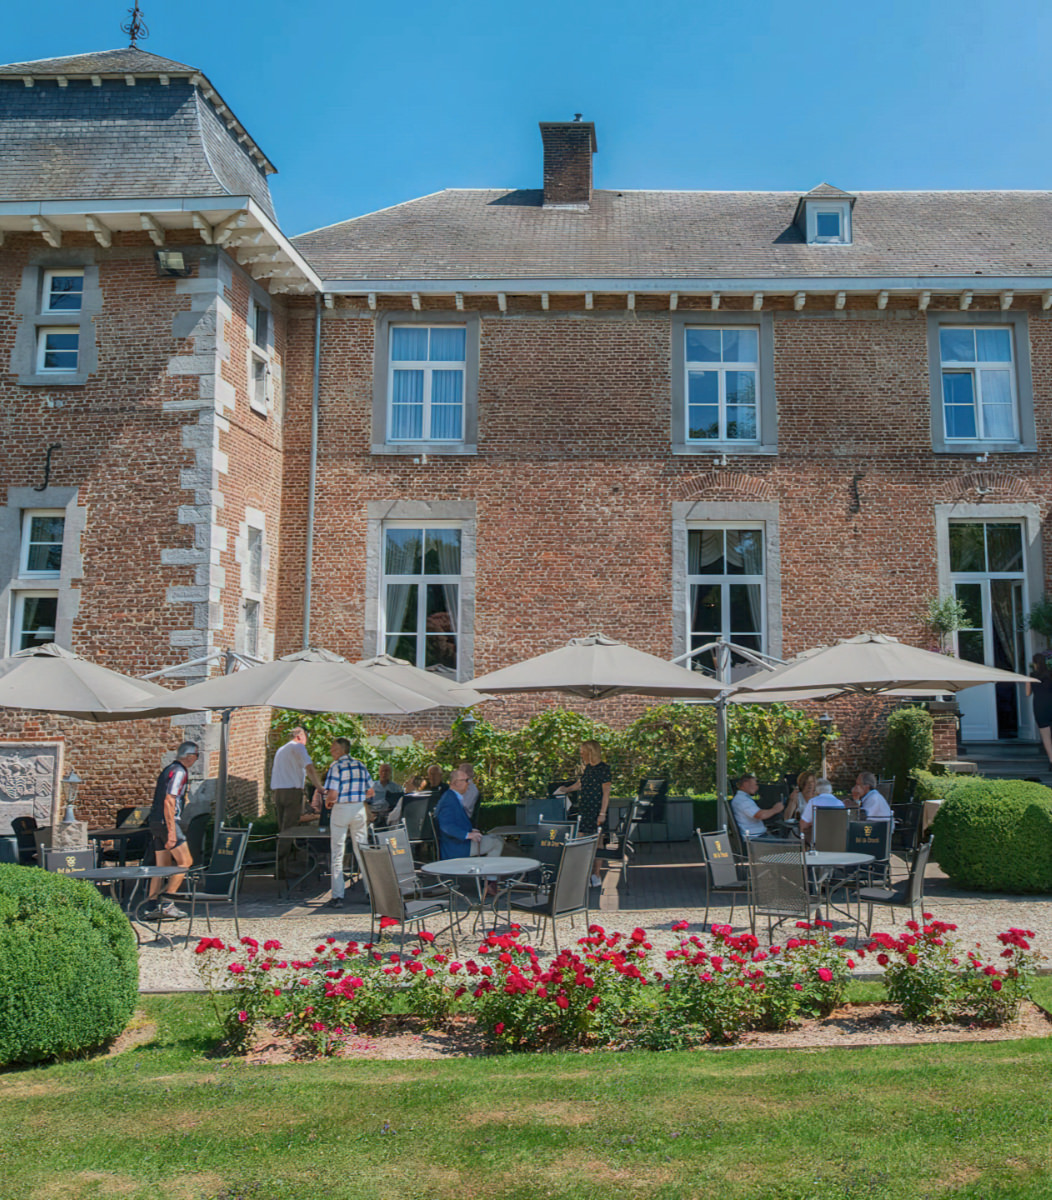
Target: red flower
{"x":387,"y":922}
{"x":242,"y":1016}
{"x":911,"y":958}
{"x":498,"y":1029}
{"x":995,"y":984}
{"x":236,"y":968}
{"x":882,"y":959}
{"x":272,"y":945}
{"x":680,"y":925}
{"x":426,"y":937}
{"x":562,"y":1001}
{"x":825,"y":974}
{"x":639,"y":935}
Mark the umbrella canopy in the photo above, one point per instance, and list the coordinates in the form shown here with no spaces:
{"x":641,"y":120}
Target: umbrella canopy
{"x":868,"y":665}
{"x":54,"y":680}
{"x":597,"y":667}
{"x":314,"y":681}
{"x":443,"y":690}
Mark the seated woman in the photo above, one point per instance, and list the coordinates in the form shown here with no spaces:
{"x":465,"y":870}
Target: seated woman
{"x":806,"y":789}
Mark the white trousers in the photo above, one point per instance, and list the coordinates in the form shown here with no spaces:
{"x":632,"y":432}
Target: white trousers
{"x":345,"y":819}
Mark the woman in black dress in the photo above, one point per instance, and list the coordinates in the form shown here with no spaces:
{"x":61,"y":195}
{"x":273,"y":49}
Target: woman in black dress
{"x":594,"y":786}
{"x":1041,"y":697}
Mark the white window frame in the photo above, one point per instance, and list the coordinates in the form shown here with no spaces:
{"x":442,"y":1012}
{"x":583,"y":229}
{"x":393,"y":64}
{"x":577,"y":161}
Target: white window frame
{"x":428,"y":367}
{"x":720,"y":369}
{"x":258,"y":382}
{"x":42,"y":335}
{"x":255,"y":309}
{"x":724,"y":581}
{"x":420,"y":581}
{"x":27,"y":525}
{"x":46,"y":294}
{"x":817,"y":208}
{"x":18,"y":613}
{"x":975,"y":369}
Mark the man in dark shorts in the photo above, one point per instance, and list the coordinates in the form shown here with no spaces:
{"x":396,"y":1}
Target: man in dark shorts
{"x":169,"y":841}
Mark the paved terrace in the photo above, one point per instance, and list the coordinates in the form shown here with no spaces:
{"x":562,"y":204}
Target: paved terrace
{"x":667,"y":884}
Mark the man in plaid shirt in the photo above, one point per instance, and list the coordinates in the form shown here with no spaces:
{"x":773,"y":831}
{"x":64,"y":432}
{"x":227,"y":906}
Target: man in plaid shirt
{"x":347,"y":787}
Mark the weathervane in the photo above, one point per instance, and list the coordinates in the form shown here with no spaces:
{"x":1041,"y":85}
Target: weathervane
{"x":136,"y":28}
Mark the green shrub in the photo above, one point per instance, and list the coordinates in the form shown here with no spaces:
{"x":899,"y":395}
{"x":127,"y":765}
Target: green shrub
{"x":994,"y":835}
{"x":908,"y":746}
{"x":69,"y":966}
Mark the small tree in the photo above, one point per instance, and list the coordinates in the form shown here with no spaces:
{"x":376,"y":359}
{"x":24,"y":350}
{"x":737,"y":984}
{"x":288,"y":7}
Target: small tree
{"x":943,"y":617}
{"x":1039,"y":619}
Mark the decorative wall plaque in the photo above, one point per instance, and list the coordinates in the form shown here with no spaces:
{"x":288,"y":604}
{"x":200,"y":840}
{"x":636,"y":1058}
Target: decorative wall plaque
{"x":30,"y":778}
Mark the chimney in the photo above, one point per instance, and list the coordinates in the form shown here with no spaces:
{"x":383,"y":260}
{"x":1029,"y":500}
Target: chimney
{"x":568,"y":150}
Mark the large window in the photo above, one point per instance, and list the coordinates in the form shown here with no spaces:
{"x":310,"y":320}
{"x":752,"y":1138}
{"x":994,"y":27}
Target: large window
{"x":427,"y":370}
{"x":978,"y":383}
{"x":726,"y":584}
{"x":420,"y":616}
{"x":35,"y":618}
{"x":42,"y":534}
{"x":722,"y":367}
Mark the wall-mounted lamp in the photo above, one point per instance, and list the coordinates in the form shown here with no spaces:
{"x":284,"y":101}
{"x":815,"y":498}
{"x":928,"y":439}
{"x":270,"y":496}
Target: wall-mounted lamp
{"x":172,"y":264}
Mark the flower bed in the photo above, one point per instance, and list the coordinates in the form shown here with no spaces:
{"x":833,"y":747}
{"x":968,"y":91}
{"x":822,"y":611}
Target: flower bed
{"x":612,"y":990}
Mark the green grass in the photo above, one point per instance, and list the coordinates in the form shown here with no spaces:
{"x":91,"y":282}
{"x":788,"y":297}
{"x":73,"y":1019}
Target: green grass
{"x":964,"y":1121}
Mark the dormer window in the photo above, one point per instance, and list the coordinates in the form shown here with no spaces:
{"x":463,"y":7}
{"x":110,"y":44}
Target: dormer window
{"x":824,"y":216}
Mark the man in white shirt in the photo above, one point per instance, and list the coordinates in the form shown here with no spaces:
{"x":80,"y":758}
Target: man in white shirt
{"x":823,"y":798}
{"x":292,"y":764}
{"x":872,"y":803}
{"x":749,"y":815}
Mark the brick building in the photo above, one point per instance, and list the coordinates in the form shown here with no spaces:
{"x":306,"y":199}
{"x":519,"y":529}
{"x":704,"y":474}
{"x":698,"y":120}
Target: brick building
{"x":493,"y":419}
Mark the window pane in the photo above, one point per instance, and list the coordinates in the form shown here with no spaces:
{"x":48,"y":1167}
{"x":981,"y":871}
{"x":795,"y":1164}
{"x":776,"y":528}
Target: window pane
{"x":44,"y":544}
{"x":740,"y":345}
{"x":1004,"y":547}
{"x":957,"y":345}
{"x":440,"y":651}
{"x":255,"y":560}
{"x":827,"y":225}
{"x":741,"y":404}
{"x":402,"y":646}
{"x":402,"y":607}
{"x":993,"y":345}
{"x":959,"y":404}
{"x":703,"y":414}
{"x":441,"y":642}
{"x":967,"y":547}
{"x":409,"y":344}
{"x":703,"y":424}
{"x":998,"y":410}
{"x":705,"y":552}
{"x":746,"y":611}
{"x":442,"y":556}
{"x":971,"y":597}
{"x":744,"y":552}
{"x":60,"y":351}
{"x":447,"y":345}
{"x":447,"y":389}
{"x":402,"y":555}
{"x":252,"y":627}
{"x":407,"y":409}
{"x":39,"y":614}
{"x":66,"y":293}
{"x":703,"y":345}
{"x":706,"y":609}
{"x":970,"y":645}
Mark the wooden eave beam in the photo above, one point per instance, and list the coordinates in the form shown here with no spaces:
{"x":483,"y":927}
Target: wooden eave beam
{"x":103,"y":233}
{"x":50,"y":233}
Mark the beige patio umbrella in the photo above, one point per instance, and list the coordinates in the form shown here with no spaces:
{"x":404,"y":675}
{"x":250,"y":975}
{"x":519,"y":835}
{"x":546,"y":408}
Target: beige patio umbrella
{"x":597,"y":667}
{"x":440,"y":687}
{"x":51,"y":679}
{"x":868,"y":665}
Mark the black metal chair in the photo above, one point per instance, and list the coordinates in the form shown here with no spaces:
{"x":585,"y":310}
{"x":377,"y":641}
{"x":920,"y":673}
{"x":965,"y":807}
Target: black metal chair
{"x":624,"y":843}
{"x":24,"y":828}
{"x":886,"y":787}
{"x":415,"y":817}
{"x":134,"y":847}
{"x":871,"y":837}
{"x":386,"y":898}
{"x":547,"y":847}
{"x":721,"y":871}
{"x":830,"y":829}
{"x":396,"y":838}
{"x":652,"y":797}
{"x":220,"y":882}
{"x":568,"y":894}
{"x":779,"y":888}
{"x":908,"y":893}
{"x":905,"y":836}
{"x":196,"y":836}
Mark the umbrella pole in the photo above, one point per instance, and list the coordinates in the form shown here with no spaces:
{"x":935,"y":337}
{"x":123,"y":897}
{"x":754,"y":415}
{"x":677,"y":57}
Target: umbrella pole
{"x":224,"y":743}
{"x":721,"y":761}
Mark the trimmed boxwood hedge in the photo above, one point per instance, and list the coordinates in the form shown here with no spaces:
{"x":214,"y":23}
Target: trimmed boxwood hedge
{"x":69,"y":966}
{"x":994,"y":835}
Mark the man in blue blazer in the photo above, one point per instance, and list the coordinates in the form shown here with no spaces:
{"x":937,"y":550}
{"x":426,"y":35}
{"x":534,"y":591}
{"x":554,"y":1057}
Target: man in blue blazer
{"x":456,"y":837}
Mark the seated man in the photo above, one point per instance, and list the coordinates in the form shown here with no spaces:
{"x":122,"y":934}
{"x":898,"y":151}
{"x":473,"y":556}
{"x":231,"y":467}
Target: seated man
{"x":456,"y":837}
{"x":384,"y":807}
{"x":874,"y":806}
{"x":823,"y":798}
{"x":749,"y":815}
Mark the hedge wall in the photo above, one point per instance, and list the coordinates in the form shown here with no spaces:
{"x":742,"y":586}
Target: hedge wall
{"x":69,"y":966}
{"x":994,"y":835}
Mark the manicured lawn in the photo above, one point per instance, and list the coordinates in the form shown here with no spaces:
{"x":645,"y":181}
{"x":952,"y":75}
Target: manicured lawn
{"x":964,"y":1120}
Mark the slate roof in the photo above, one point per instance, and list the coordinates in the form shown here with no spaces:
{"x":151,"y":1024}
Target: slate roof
{"x":500,"y":234}
{"x":130,"y":60}
{"x":82,"y":142}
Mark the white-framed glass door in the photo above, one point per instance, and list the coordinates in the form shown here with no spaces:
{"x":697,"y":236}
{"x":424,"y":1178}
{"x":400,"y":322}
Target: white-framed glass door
{"x":988,"y":576}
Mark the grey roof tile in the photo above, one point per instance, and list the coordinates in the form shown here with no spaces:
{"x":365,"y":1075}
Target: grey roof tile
{"x":484,"y":234}
{"x":129,"y":60}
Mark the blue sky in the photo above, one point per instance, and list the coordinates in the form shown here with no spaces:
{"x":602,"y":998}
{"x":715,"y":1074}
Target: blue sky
{"x":362,"y":106}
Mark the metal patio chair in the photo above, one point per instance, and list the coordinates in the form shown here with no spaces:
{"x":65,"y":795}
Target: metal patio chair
{"x":721,"y":871}
{"x":386,"y":898}
{"x":569,"y":892}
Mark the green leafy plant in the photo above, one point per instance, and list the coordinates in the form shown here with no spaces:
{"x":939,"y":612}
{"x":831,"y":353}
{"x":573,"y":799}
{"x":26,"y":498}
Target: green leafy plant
{"x":69,"y":966}
{"x":942,"y":617}
{"x":908,"y":744}
{"x":1039,"y":619}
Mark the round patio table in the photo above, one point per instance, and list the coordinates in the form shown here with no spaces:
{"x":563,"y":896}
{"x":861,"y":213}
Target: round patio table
{"x":111,"y":876}
{"x":478,"y":868}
